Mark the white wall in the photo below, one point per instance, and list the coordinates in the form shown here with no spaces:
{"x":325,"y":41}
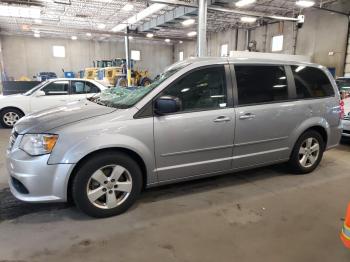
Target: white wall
{"x":26,"y":56}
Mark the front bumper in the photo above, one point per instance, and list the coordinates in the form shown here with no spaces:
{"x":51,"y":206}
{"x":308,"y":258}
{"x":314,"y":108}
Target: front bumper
{"x":346,"y":128}
{"x":43,"y":182}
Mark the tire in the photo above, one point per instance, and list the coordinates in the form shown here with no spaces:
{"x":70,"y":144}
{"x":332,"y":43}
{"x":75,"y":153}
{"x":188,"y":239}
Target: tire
{"x":146,"y":81}
{"x":89,"y":183}
{"x":305,"y":158}
{"x":9,"y":117}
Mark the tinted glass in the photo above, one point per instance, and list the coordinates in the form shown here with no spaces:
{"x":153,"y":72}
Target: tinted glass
{"x":56,"y":88}
{"x":83,"y":87}
{"x":261,"y":84}
{"x":311,"y":82}
{"x":202,"y":89}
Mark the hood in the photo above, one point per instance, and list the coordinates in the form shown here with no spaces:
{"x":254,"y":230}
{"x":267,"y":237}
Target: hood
{"x":45,"y":120}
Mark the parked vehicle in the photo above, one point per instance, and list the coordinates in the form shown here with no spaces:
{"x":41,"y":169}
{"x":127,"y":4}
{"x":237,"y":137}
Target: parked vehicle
{"x":43,"y":76}
{"x":51,"y":93}
{"x":202,"y":117}
{"x":344,"y":89}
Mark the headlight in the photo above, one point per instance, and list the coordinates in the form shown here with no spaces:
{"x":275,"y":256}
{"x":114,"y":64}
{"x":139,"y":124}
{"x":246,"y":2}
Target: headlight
{"x":38,"y":144}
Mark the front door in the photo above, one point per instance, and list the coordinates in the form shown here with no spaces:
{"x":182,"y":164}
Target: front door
{"x":198,"y":139}
{"x":56,"y":94}
{"x":264,"y":115}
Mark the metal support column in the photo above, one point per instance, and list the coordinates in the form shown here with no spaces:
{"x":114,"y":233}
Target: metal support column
{"x":202,"y":28}
{"x":127,"y":56}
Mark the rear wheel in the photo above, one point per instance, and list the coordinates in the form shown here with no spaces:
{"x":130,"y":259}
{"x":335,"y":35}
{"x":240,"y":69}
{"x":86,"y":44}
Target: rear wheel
{"x":10,"y":116}
{"x":107,"y":184}
{"x":307,"y":152}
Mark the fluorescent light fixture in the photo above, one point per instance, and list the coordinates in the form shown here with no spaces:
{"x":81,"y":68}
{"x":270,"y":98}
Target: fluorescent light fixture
{"x":37,"y":35}
{"x":101,"y":26}
{"x":283,"y":77}
{"x":19,"y":11}
{"x":242,"y":3}
{"x":188,"y":22}
{"x":193,"y":33}
{"x":305,"y":3}
{"x":180,"y":42}
{"x":185,"y":90}
{"x":149,"y":35}
{"x":279,"y":86}
{"x":128,"y":7}
{"x":139,"y":16}
{"x":74,"y":37}
{"x":38,"y":21}
{"x":248,"y":19}
{"x":88,"y":34}
{"x":130,"y":37}
{"x":167,"y":40}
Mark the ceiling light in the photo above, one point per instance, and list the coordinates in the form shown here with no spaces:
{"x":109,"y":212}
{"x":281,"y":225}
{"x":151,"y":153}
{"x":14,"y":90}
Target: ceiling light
{"x":101,"y":26}
{"x":17,"y":11}
{"x":88,"y":34}
{"x":149,"y":35}
{"x":167,"y":40}
{"x":38,"y":21}
{"x":128,"y":7}
{"x":304,"y":3}
{"x":130,"y":37}
{"x":74,"y":37}
{"x":188,"y":22}
{"x":248,"y":19}
{"x":139,"y":16}
{"x":37,"y":35}
{"x":193,"y":33}
{"x":242,"y":3}
{"x":180,"y":42}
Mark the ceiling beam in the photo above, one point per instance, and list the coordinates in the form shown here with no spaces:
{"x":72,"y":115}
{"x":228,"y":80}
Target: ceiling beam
{"x":166,"y":17}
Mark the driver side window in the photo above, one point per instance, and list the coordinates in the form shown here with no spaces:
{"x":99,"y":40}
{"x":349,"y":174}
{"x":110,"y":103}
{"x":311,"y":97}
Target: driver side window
{"x":56,"y":88}
{"x":203,"y":89}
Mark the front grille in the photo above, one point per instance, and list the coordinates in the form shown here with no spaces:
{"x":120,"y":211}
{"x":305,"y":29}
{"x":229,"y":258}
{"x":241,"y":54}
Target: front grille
{"x":19,"y":186}
{"x":13,"y":138}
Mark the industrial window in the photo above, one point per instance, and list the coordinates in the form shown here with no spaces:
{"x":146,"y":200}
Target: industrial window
{"x":224,"y":50}
{"x":58,"y":51}
{"x":311,"y":82}
{"x":203,"y":89}
{"x":261,"y":84}
{"x":136,"y":55}
{"x":277,"y":43}
{"x":181,"y":56}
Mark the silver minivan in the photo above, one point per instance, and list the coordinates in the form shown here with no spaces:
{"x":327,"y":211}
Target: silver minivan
{"x":201,"y":117}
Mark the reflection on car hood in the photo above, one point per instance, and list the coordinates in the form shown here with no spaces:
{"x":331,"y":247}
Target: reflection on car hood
{"x":45,"y":120}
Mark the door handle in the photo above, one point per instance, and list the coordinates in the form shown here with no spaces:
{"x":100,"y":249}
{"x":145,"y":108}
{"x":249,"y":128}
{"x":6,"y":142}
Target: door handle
{"x":247,"y":116}
{"x":222,"y":119}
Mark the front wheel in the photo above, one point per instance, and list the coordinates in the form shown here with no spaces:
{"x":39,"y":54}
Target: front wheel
{"x":9,"y":117}
{"x":107,"y":184}
{"x":307,"y":152}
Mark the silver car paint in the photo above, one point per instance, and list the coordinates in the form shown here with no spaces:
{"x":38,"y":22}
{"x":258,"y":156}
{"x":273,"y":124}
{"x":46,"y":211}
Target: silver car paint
{"x":183,"y":146}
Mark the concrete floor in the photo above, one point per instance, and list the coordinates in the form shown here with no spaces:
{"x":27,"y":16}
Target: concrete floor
{"x":265,"y":214}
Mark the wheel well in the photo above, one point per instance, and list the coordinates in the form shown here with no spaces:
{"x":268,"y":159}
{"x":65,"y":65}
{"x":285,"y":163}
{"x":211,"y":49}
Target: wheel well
{"x":11,"y":107}
{"x":321,"y":131}
{"x":129,"y":152}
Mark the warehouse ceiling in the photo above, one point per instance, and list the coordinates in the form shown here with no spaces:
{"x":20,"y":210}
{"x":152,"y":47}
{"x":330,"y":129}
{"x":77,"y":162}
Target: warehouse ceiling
{"x":105,"y":19}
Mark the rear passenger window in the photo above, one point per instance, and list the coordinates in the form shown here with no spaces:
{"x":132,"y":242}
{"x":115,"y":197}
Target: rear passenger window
{"x":261,"y":84}
{"x":311,"y":82}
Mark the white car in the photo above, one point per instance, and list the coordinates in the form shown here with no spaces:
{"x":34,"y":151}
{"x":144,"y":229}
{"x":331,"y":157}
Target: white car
{"x":51,"y":93}
{"x":344,"y":89}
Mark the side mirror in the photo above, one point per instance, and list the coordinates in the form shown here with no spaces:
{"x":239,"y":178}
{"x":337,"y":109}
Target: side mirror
{"x":167,"y":105}
{"x":39,"y":93}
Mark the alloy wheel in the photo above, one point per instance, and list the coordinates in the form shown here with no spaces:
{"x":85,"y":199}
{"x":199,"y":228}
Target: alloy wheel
{"x":10,"y":118}
{"x":309,"y":152}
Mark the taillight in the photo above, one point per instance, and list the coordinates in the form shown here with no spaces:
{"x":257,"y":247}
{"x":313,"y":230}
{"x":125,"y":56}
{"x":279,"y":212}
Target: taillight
{"x":342,"y":110}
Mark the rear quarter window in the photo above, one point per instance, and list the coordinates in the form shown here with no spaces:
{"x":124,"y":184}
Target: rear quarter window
{"x":311,"y":82}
